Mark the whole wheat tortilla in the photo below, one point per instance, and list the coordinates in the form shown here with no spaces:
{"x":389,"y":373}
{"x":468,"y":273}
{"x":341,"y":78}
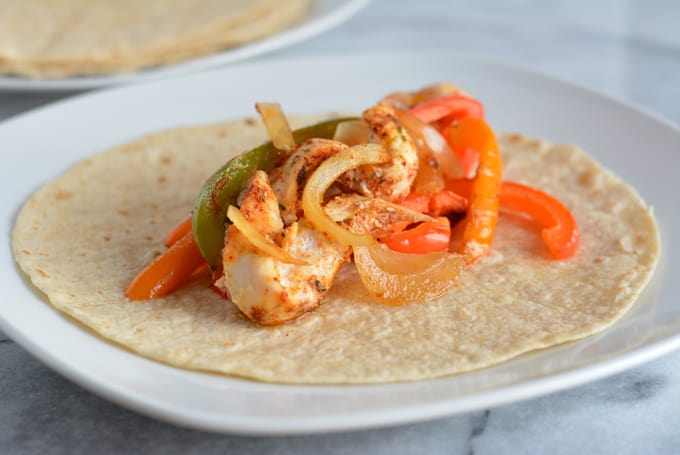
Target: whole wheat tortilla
{"x":59,"y":38}
{"x":83,"y":236}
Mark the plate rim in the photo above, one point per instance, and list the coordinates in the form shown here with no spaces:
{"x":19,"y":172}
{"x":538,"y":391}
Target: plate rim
{"x":367,"y":419}
{"x":349,"y":421}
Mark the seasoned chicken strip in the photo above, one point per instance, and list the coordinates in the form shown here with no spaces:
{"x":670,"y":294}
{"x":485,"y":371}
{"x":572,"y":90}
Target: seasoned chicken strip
{"x":392,"y":180}
{"x":266,"y":289}
{"x":361,"y":214}
{"x":259,"y":206}
{"x":289,"y":180}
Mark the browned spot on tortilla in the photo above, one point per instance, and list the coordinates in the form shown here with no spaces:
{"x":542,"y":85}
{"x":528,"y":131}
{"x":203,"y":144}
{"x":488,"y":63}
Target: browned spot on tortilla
{"x":250,"y":121}
{"x":149,"y":238}
{"x":42,"y":273}
{"x":162,"y":179}
{"x":106,"y":238}
{"x":26,"y":252}
{"x":62,"y":195}
{"x":586,"y":178}
{"x":166,"y":160}
{"x":123,"y":212}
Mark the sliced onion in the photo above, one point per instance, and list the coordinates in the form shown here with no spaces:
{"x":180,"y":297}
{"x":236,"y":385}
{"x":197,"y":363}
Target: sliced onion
{"x":352,"y":132}
{"x":399,"y":278}
{"x":399,"y":100}
{"x":429,"y":179}
{"x":406,"y":100}
{"x":324,"y":176}
{"x":258,"y":240}
{"x":277,"y":126}
{"x":435,"y":91}
{"x":431,"y":144}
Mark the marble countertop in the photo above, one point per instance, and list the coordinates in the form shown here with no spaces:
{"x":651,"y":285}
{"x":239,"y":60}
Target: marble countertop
{"x":630,"y":49}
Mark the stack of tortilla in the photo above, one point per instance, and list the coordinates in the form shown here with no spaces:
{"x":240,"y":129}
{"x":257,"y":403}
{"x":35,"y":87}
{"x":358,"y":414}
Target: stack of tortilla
{"x":61,"y":38}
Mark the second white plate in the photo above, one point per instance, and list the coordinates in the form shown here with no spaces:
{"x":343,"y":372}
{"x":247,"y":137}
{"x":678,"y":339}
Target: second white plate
{"x":325,"y":15}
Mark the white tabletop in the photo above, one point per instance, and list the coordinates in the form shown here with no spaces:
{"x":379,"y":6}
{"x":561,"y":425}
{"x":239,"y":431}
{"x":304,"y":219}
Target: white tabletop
{"x":627,"y":48}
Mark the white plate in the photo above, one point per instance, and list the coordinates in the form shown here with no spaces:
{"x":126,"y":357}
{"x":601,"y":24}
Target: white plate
{"x":38,"y":145}
{"x":325,"y":15}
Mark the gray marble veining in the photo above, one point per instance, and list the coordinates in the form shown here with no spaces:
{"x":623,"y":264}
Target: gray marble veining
{"x":629,"y":48}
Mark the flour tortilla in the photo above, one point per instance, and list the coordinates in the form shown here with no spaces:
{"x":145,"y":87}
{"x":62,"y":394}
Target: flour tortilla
{"x":83,"y":237}
{"x":60,"y":38}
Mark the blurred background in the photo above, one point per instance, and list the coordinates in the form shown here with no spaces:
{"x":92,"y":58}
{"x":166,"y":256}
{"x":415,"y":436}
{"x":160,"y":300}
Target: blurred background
{"x":625,"y":47}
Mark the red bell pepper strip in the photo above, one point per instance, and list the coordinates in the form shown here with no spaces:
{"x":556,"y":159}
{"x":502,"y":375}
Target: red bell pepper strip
{"x":418,"y":202}
{"x":389,"y":230}
{"x":454,"y":107}
{"x":560,"y":230}
{"x":446,"y":201}
{"x":435,"y":204}
{"x":425,"y":238}
{"x":168,"y":272}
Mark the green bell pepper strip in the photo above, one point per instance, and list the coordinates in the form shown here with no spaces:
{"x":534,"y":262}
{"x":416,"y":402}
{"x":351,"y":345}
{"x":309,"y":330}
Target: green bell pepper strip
{"x":209,"y":220}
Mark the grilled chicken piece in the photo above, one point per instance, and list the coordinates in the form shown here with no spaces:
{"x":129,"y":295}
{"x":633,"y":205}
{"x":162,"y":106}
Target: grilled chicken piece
{"x":288,"y":181}
{"x":266,"y":289}
{"x":392,"y":180}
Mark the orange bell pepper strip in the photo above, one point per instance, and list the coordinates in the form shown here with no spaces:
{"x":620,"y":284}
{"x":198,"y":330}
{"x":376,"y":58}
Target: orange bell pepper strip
{"x":482,"y":214}
{"x":560,"y":229}
{"x":453,"y":107}
{"x":466,"y":138}
{"x":428,"y":237}
{"x":461,"y":187}
{"x":178,"y":231}
{"x":167,"y":272}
